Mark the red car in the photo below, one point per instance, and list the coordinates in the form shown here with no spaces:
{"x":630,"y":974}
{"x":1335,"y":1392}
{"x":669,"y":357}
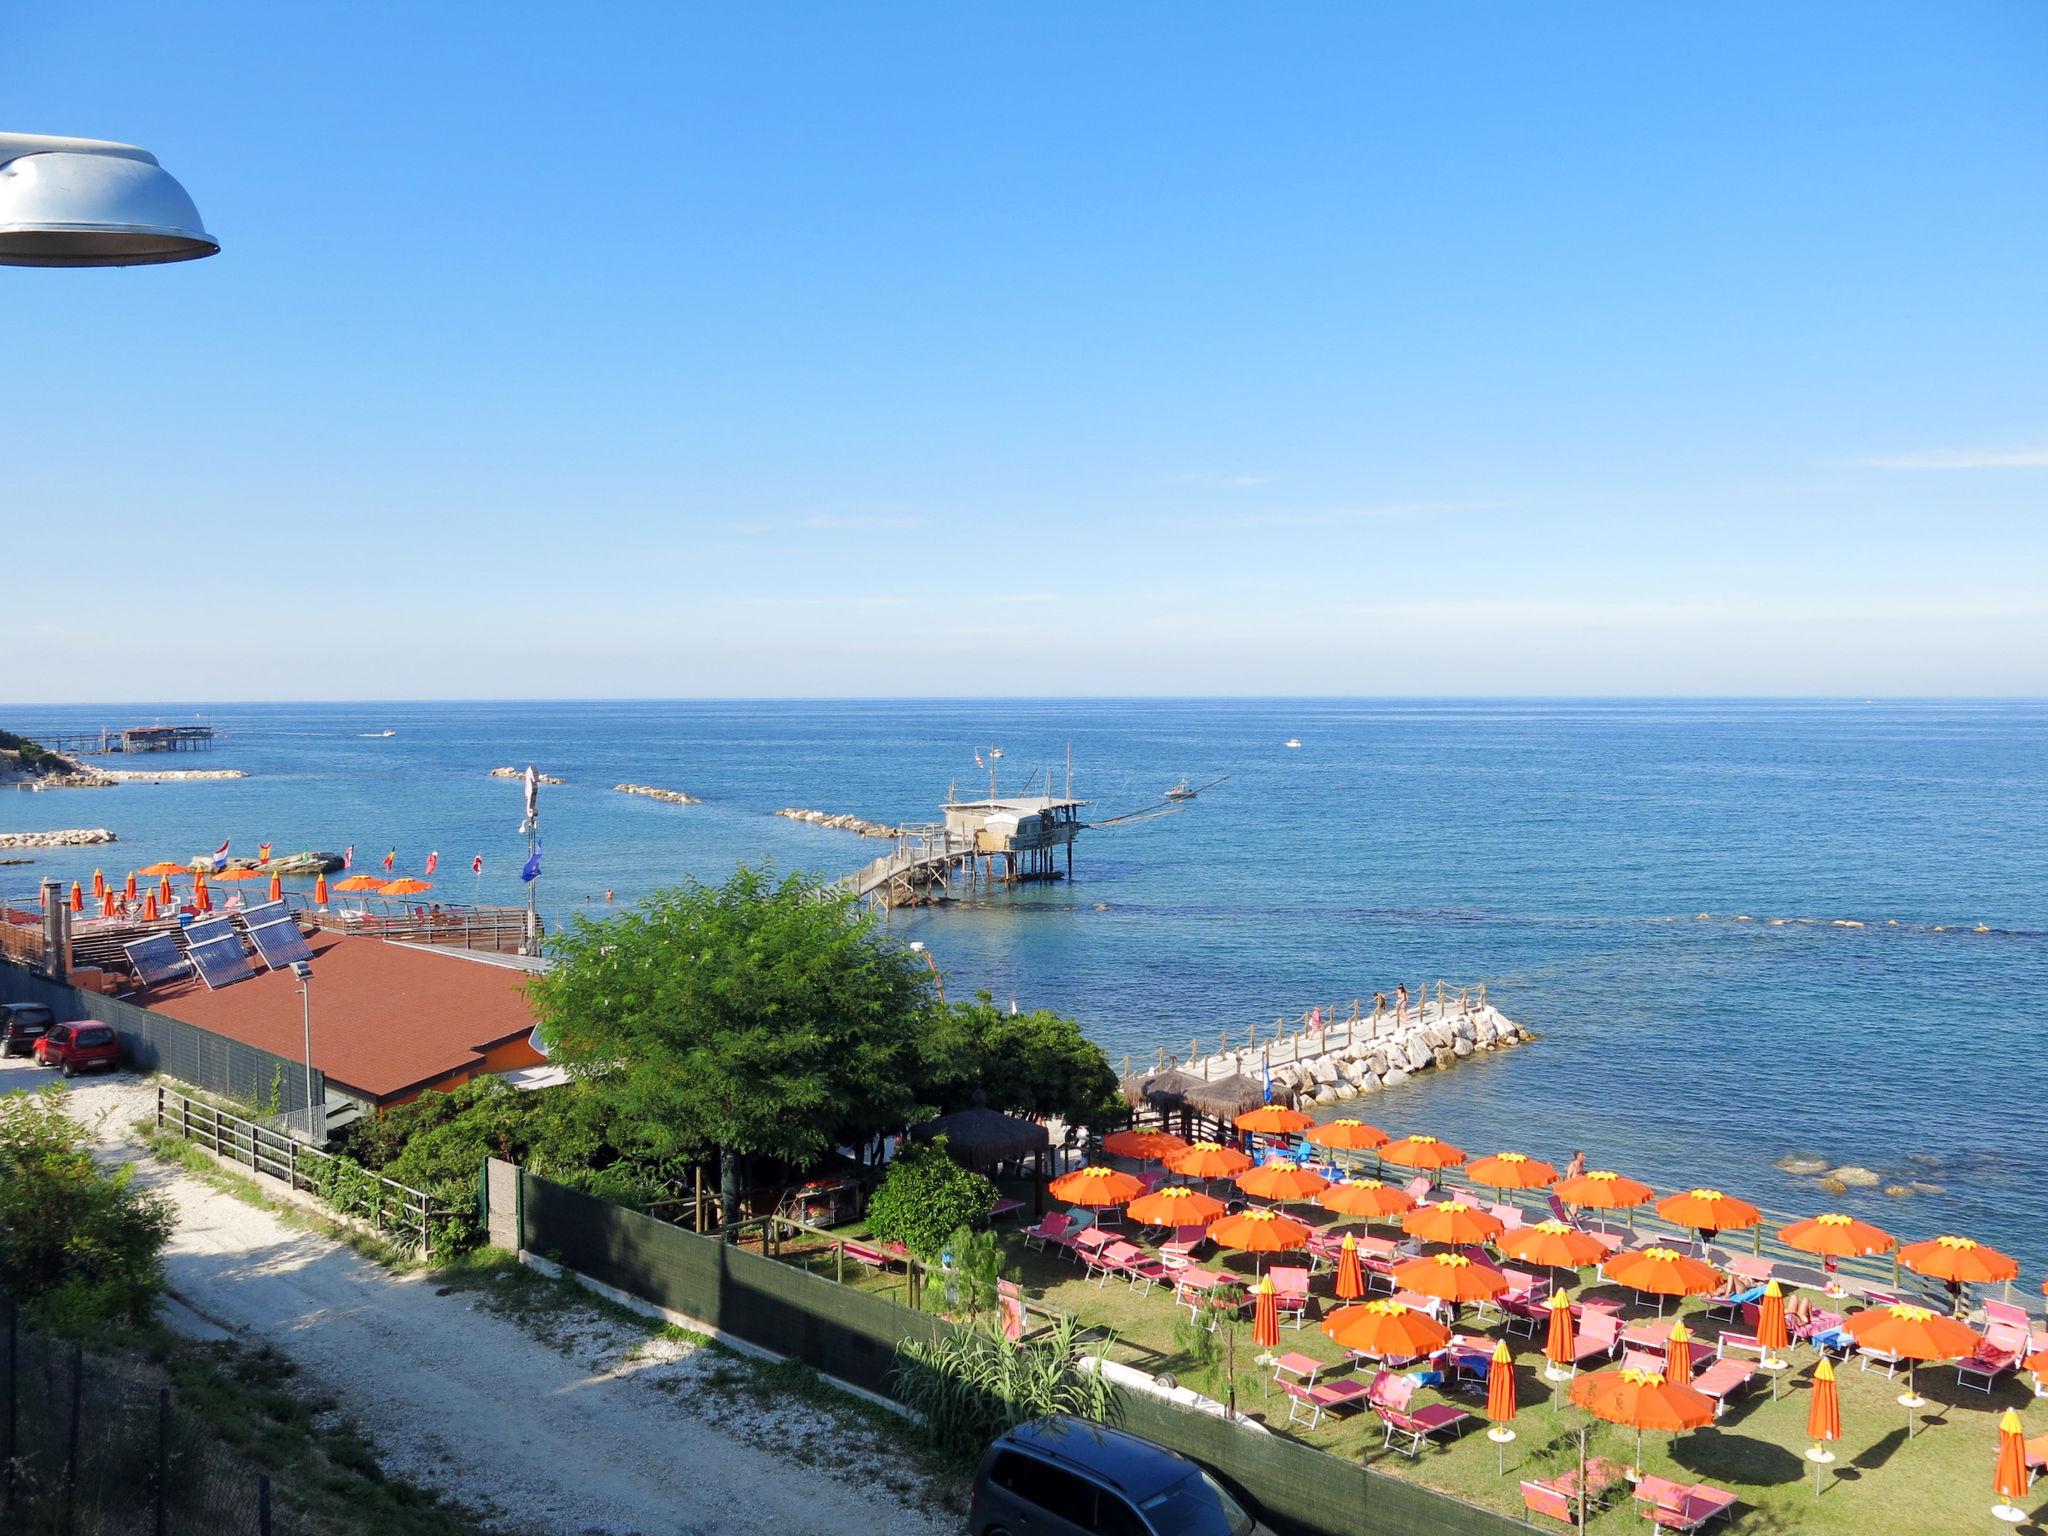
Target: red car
{"x":79,"y":1046}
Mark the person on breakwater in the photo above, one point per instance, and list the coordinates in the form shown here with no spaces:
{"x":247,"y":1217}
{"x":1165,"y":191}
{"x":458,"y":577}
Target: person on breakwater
{"x":1379,"y":1005}
{"x":1401,"y":1003}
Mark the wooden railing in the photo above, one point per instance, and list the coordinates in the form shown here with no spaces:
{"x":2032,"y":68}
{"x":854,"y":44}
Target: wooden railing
{"x":498,"y":929}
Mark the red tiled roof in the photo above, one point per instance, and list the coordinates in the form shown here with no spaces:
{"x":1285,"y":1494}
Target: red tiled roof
{"x":386,"y":1019}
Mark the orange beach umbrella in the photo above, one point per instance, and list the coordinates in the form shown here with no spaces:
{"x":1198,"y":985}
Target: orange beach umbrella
{"x":1177,"y":1205}
{"x":238,"y":873}
{"x":107,"y":904}
{"x":1273,"y":1120}
{"x":1347,"y":1136}
{"x":361,"y":883}
{"x":1386,"y":1329}
{"x":1364,"y":1197}
{"x":1771,"y":1332}
{"x":1500,"y":1401}
{"x":1095,"y":1186}
{"x":1552,"y":1243}
{"x":2010,"y":1479}
{"x":1258,"y":1232}
{"x":1641,"y":1400}
{"x":202,"y":896}
{"x":1450,"y":1221}
{"x":1281,"y":1180}
{"x":1511,"y":1170}
{"x":128,"y":889}
{"x":163,"y":889}
{"x":1350,"y":1273}
{"x":149,"y":913}
{"x":276,"y":886}
{"x":99,"y":884}
{"x":1424,"y":1152}
{"x":1836,"y":1236}
{"x":405,"y":885}
{"x":1203,"y":1160}
{"x":1912,"y":1333}
{"x":1145,"y":1146}
{"x":1708,"y":1210}
{"x":165,"y":868}
{"x":1661,"y":1272}
{"x":1603,"y":1190}
{"x":77,"y":897}
{"x":1266,"y":1314}
{"x":1823,"y":1417}
{"x":1560,"y":1347}
{"x":1678,"y":1354}
{"x":1450,"y":1277}
{"x":1959,"y":1261}
{"x":320,"y":891}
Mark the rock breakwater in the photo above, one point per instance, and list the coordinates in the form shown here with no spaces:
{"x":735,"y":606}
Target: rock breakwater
{"x":168,"y":775}
{"x":74,"y":837}
{"x":670,"y":796}
{"x":843,"y":823}
{"x":520,"y":773}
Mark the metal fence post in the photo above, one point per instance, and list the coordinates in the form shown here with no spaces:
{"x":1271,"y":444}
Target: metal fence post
{"x":163,"y":1457}
{"x":71,"y":1440}
{"x":263,"y":1504}
{"x":7,"y":1467}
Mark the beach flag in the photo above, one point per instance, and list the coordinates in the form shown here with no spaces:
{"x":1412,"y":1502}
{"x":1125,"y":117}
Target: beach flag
{"x":530,"y":870}
{"x":977,"y":757}
{"x":348,"y":856}
{"x":390,"y":859}
{"x":532,"y":798}
{"x":220,"y":855}
{"x":476,"y":865}
{"x":263,"y":853}
{"x":433,"y":859}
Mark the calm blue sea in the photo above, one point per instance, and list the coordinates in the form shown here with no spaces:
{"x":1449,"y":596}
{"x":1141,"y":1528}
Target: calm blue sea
{"x":1560,"y":852}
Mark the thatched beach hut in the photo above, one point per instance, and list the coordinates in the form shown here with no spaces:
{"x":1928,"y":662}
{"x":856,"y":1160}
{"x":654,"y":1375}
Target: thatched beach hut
{"x":983,"y":1139}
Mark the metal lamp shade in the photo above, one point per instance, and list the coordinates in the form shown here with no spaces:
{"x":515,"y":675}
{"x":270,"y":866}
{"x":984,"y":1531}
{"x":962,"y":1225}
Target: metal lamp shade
{"x":80,"y":203}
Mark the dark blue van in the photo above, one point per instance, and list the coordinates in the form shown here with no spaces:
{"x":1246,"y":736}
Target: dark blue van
{"x":1067,"y":1477}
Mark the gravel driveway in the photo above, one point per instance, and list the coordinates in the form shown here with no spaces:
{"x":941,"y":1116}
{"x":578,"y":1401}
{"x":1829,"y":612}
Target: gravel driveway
{"x":599,"y":1429}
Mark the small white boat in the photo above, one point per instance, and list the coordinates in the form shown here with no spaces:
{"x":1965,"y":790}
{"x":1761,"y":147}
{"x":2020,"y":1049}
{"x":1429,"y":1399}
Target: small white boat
{"x":1294,"y":741}
{"x":376,"y":735}
{"x":995,"y":751}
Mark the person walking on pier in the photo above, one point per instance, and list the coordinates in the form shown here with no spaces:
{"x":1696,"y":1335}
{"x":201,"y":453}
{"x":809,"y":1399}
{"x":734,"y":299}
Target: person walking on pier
{"x":1401,"y":1003}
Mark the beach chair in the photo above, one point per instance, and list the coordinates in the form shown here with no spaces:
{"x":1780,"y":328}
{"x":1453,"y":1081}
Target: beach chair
{"x":1415,"y":1428}
{"x":1541,"y":1499}
{"x":1598,"y":1333}
{"x":1053,"y":1227}
{"x":1179,"y":1250}
{"x":1085,"y":1246}
{"x":1722,"y":1379}
{"x":2007,"y":1330}
{"x":1647,"y":1360}
{"x":1112,"y":1258}
{"x":1682,"y":1506}
{"x":1418,"y":1188}
{"x":1303,"y":1368}
{"x":1329,"y":1397}
{"x":1140,"y":1268}
{"x":1509,"y":1216}
{"x":1467,"y":1197}
{"x":867,"y":1255}
{"x":1291,"y":1285}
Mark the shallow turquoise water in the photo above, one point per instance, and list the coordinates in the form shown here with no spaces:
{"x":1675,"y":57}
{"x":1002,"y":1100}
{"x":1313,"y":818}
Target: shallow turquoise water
{"x":1560,"y":852}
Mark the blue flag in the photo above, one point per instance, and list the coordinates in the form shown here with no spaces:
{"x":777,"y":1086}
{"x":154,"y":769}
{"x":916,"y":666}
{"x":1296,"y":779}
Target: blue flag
{"x":530,"y":870}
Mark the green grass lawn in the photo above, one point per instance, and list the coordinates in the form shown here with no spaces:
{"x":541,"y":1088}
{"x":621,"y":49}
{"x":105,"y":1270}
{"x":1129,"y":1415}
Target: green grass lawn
{"x":1937,"y":1483}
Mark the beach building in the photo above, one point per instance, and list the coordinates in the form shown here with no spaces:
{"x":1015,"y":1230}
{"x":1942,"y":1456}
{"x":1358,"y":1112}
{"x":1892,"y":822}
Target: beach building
{"x":1028,"y":834}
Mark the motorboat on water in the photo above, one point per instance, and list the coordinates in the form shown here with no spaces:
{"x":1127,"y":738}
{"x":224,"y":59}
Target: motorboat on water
{"x":1294,"y":741}
{"x":376,"y":735}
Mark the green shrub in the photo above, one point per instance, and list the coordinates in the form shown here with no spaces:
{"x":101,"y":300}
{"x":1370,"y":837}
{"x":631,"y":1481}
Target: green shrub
{"x":973,"y":1384}
{"x":926,"y":1197}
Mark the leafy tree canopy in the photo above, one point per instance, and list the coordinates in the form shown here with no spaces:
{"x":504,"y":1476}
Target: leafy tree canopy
{"x":926,"y":1197}
{"x":1035,"y":1063}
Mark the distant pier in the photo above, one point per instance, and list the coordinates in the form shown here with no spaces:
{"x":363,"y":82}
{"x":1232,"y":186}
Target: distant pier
{"x":134,"y":738}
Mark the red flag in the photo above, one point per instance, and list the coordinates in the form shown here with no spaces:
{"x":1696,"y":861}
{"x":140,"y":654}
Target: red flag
{"x":476,"y":865}
{"x":348,"y":856}
{"x":390,"y":859}
{"x":432,"y":860}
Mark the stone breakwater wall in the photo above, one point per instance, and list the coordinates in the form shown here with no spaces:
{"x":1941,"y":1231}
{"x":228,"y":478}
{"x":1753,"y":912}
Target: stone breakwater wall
{"x":843,"y":823}
{"x":169,"y":775}
{"x":671,"y":796}
{"x":1347,"y":1059}
{"x":520,"y":773}
{"x":75,"y":837}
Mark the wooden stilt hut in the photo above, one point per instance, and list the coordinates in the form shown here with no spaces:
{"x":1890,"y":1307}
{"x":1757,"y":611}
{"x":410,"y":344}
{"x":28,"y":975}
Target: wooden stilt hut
{"x":983,"y":1139}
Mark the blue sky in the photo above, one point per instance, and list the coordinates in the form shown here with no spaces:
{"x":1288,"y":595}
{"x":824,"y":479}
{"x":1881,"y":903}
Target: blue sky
{"x":681,"y":350}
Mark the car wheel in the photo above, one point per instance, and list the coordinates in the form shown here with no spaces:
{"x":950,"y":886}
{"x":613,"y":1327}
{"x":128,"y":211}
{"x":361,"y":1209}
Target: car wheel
{"x":69,"y":1070}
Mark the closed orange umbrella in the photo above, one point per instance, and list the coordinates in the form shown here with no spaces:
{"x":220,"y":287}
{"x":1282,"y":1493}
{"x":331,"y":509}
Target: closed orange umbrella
{"x":1177,"y":1205}
{"x":1603,"y":1190}
{"x":1258,"y":1232}
{"x":1661,"y":1272}
{"x":1913,"y":1334}
{"x":163,"y":889}
{"x":1365,"y":1197}
{"x":99,"y":885}
{"x":107,"y":904}
{"x":202,"y":898}
{"x":1823,"y":1418}
{"x":276,"y":887}
{"x":1450,"y":1221}
{"x":77,"y":897}
{"x":1145,"y":1146}
{"x":1266,"y":1314}
{"x":1771,"y":1332}
{"x":1203,"y":1160}
{"x":1708,"y":1210}
{"x":1273,"y":1120}
{"x":1424,"y":1152}
{"x":1347,"y":1136}
{"x":2010,"y":1479}
{"x":1095,"y":1187}
{"x":1511,"y":1170}
{"x":1678,"y":1353}
{"x":1281,"y":1181}
{"x":1350,"y":1273}
{"x":128,"y":889}
{"x":1552,"y":1243}
{"x":320,"y":891}
{"x":405,"y":885}
{"x":149,"y":908}
{"x":1500,"y":1404}
{"x":1450,"y":1277}
{"x":1559,"y":1345}
{"x":1386,"y":1329}
{"x":1641,"y":1400}
{"x":1959,"y":1261}
{"x":1836,"y":1236}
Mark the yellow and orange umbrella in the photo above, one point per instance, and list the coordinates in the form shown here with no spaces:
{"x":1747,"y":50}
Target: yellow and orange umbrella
{"x":1281,"y":1180}
{"x":1265,"y":1314}
{"x":1450,"y":1277}
{"x":320,"y":891}
{"x":361,"y":883}
{"x":1959,"y":1261}
{"x":1273,"y":1120}
{"x":1641,"y":1400}
{"x":99,"y":885}
{"x":128,"y":889}
{"x":1208,"y":1160}
{"x":1365,"y":1197}
{"x":163,"y":890}
{"x":1559,"y":1344}
{"x":1511,"y":1170}
{"x":276,"y":886}
{"x":1708,"y":1210}
{"x":77,"y":897}
{"x":1350,"y":1273}
{"x":1386,"y":1329}
{"x":107,"y":904}
{"x":405,"y":885}
{"x":1661,"y":1272}
{"x":1603,"y":1190}
{"x":1678,"y":1354}
{"x":149,"y":913}
{"x":1095,"y":1187}
{"x":1771,"y":1332}
{"x":1823,"y":1418}
{"x":1500,"y":1403}
{"x":1177,"y":1205}
{"x":1450,"y":1221}
{"x":1145,"y":1146}
{"x":1552,"y":1243}
{"x":239,"y":873}
{"x":1835,"y":1236}
{"x":1347,"y":1136}
{"x":202,"y":896}
{"x":2009,"y":1481}
{"x":164,"y":868}
{"x":1424,"y":1152}
{"x":1259,"y":1232}
{"x":1913,"y":1334}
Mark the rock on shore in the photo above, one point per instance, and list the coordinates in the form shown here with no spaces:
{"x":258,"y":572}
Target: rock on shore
{"x":671,"y":796}
{"x":520,"y":773}
{"x":168,"y":775}
{"x":75,"y":837}
{"x":843,"y":822}
{"x":1347,"y":1060}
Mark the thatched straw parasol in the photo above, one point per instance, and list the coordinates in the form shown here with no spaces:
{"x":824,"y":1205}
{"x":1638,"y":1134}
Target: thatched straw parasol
{"x":1161,"y":1090}
{"x":981,"y":1137}
{"x":1227,"y":1097}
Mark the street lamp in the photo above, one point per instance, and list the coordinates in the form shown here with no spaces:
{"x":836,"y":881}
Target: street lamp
{"x":917,"y":948}
{"x":304,"y":971}
{"x":92,"y":203}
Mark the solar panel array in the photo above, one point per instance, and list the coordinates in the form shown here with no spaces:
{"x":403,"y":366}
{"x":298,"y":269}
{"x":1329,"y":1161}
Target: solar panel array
{"x":216,"y":952}
{"x":156,"y":959}
{"x":276,"y":936}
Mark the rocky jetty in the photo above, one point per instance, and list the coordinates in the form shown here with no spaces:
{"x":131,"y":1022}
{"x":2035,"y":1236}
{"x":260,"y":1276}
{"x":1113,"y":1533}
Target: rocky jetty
{"x":842,"y":822}
{"x":75,"y":837}
{"x":1349,"y":1058}
{"x":520,"y":773}
{"x":671,"y":796}
{"x":167,"y":775}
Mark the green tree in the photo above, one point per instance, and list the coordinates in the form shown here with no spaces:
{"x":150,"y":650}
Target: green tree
{"x":1035,"y":1063}
{"x":926,"y":1198}
{"x":77,"y":1243}
{"x":761,"y":1018}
